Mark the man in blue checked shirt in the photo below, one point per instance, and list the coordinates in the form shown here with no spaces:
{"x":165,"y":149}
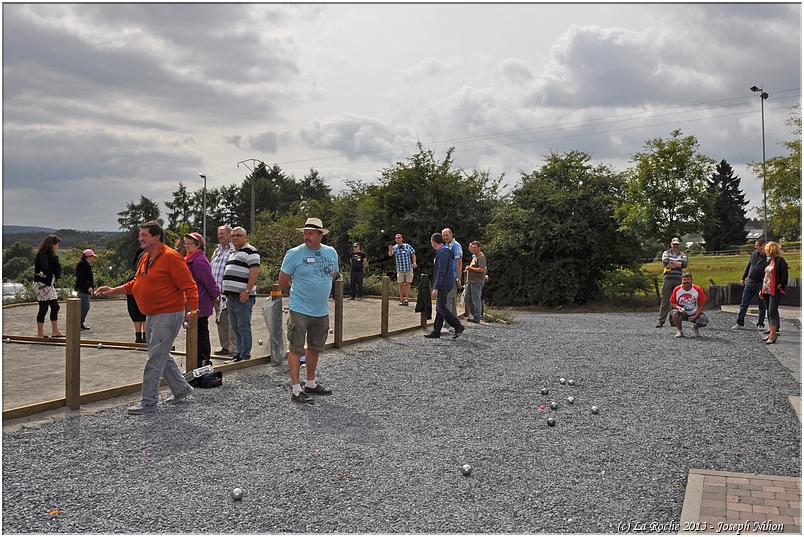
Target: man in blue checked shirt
{"x":405,"y":257}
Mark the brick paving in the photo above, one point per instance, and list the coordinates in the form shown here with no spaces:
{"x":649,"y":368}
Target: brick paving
{"x":728,"y":502}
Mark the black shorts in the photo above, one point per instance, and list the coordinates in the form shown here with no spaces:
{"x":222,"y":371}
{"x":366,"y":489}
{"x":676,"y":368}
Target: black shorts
{"x":134,"y":310}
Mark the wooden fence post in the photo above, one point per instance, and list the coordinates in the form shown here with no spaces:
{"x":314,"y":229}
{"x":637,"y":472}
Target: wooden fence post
{"x":423,"y":314}
{"x":386,"y":290}
{"x":191,"y":345}
{"x":338,"y":313}
{"x":72,"y":378}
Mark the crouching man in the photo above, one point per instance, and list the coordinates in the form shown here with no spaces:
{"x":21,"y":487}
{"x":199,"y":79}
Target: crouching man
{"x":687,"y":301}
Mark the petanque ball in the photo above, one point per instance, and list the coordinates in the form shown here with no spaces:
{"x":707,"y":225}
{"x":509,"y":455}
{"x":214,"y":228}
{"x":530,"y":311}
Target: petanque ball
{"x":553,"y":405}
{"x":330,"y":330}
{"x":545,"y":391}
{"x":184,"y":325}
{"x":571,"y":382}
{"x":562,"y":380}
{"x":551,"y":422}
{"x":466,"y":469}
{"x":237,"y":494}
{"x":595,"y":410}
{"x":100,"y":345}
{"x":570,"y":399}
{"x":259,"y":341}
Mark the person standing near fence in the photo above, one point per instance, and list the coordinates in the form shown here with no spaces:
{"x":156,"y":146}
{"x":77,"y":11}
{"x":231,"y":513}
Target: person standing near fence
{"x":358,"y":263}
{"x":674,"y":261}
{"x":443,"y":281}
{"x":773,"y":286}
{"x":751,"y":282}
{"x":208,"y":291}
{"x":240,"y":287}
{"x":47,"y":270}
{"x":307,"y":272}
{"x":475,"y":280}
{"x":134,"y":313}
{"x":218,"y":263}
{"x":405,"y":258}
{"x":457,"y":268}
{"x":85,"y":282}
{"x":167,"y":294}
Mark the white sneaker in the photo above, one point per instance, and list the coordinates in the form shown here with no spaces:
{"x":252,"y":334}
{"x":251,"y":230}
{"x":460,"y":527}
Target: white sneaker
{"x":679,"y":333}
{"x":695,"y":331}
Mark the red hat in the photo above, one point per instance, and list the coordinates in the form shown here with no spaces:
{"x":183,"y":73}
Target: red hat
{"x":198,"y":238}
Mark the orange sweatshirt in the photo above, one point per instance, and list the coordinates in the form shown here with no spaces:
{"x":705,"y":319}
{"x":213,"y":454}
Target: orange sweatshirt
{"x":164,"y":287}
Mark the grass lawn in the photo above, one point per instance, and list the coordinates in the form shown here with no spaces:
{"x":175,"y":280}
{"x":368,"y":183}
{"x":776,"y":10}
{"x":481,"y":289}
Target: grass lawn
{"x":723,"y":269}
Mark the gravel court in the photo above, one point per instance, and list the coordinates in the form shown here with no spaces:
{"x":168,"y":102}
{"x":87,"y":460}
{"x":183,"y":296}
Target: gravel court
{"x":383,"y":453}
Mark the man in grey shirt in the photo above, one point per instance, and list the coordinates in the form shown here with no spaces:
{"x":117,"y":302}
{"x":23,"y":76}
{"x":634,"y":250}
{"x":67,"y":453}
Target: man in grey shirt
{"x":674,"y":261}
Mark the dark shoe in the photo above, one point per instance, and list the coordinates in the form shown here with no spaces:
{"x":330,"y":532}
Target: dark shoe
{"x":237,"y":359}
{"x":473,"y":321}
{"x":769,"y":341}
{"x":659,"y":324}
{"x":302,"y":398}
{"x":401,"y":302}
{"x":458,"y":332}
{"x":433,"y":335}
{"x":318,"y":390}
{"x":406,"y":303}
{"x":85,"y":327}
{"x":351,"y":298}
{"x":223,"y":352}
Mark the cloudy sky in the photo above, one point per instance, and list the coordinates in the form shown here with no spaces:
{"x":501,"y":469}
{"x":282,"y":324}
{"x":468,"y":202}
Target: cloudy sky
{"x":102,"y":103}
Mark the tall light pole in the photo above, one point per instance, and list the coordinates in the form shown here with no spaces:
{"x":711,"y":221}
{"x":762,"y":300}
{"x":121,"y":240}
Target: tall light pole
{"x":204,"y":217}
{"x":762,"y":96}
{"x":253,"y":180}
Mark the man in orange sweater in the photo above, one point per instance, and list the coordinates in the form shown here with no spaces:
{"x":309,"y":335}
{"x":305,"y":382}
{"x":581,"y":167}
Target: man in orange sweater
{"x":164,"y":290}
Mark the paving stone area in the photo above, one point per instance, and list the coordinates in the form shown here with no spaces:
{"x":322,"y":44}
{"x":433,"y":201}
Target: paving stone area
{"x":729,"y":502}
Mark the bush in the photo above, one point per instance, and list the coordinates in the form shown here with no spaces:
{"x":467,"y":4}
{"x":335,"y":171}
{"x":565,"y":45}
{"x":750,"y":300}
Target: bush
{"x":14,"y":267}
{"x":626,"y":283}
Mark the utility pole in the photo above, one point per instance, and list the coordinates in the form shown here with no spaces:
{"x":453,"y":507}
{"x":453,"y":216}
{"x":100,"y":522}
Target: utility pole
{"x":762,"y":96}
{"x":204,"y":213}
{"x":253,"y":170}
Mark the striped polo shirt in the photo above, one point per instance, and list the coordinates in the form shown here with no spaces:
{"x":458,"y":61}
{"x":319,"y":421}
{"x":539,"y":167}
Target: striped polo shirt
{"x":236,"y":272}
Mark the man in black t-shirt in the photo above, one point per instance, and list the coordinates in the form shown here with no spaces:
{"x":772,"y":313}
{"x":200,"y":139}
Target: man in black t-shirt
{"x":358,"y":263}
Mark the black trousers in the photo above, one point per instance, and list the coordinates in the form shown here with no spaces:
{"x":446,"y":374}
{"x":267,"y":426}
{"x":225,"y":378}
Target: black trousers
{"x":442,"y":313}
{"x":204,"y":349}
{"x":772,"y":305}
{"x":54,"y":311}
{"x":356,"y":284}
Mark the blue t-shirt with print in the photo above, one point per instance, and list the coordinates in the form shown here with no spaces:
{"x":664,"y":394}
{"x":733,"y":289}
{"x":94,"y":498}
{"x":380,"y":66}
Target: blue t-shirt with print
{"x":312,"y":272}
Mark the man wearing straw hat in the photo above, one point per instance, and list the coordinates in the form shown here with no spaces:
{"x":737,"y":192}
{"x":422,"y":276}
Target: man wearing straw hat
{"x":308,"y":271}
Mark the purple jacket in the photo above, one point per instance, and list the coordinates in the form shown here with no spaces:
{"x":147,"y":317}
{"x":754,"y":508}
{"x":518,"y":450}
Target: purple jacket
{"x":202,"y":274}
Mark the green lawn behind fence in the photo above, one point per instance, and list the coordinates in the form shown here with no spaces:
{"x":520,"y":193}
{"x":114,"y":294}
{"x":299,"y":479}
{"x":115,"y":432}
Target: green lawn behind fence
{"x":723,"y":269}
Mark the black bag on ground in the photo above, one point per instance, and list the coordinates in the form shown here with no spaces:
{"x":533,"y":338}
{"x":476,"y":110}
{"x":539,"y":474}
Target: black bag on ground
{"x":209,"y":380}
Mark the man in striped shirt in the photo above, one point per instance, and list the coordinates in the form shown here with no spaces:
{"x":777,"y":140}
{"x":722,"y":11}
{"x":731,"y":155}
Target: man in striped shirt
{"x":239,"y":285}
{"x":218,"y":262}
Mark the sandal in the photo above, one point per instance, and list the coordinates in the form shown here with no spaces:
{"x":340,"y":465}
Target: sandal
{"x":57,"y":335}
{"x":769,"y":342}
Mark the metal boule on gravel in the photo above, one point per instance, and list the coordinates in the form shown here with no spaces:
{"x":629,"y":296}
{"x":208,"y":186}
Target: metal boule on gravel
{"x":553,"y":405}
{"x":595,"y":410}
{"x":551,"y":422}
{"x":545,"y":391}
{"x":562,"y":380}
{"x":100,"y":345}
{"x":571,"y":382}
{"x":570,"y":399}
{"x":466,"y":469}
{"x":237,"y":494}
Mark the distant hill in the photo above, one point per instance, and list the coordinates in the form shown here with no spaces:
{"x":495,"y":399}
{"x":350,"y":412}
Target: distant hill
{"x":33,"y":235}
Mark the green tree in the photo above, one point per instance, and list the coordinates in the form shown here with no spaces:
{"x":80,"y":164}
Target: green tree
{"x":783,"y":186}
{"x":313,"y":187}
{"x":14,"y":266}
{"x":666,"y":191}
{"x":129,"y":220}
{"x":559,"y":235}
{"x":724,"y":214}
{"x":181,"y":208}
{"x":21,"y":250}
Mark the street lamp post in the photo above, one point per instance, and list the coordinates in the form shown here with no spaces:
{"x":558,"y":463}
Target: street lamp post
{"x":204,"y":213}
{"x":256,"y":167}
{"x":762,"y":96}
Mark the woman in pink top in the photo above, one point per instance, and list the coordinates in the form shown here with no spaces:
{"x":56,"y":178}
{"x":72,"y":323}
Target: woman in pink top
{"x":208,"y":291}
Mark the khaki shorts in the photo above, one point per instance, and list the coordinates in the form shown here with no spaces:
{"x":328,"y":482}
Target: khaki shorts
{"x":403,"y":277}
{"x":314,"y":329}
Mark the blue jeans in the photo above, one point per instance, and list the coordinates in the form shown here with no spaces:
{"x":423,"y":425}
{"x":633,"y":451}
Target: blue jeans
{"x":474,"y":291}
{"x":240,"y":322}
{"x":750,"y":291}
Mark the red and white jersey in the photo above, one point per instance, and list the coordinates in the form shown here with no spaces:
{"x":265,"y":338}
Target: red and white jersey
{"x":688,"y":299}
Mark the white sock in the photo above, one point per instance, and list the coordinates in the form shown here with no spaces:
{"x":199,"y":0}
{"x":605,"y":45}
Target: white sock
{"x":296,"y":389}
{"x":310,"y":384}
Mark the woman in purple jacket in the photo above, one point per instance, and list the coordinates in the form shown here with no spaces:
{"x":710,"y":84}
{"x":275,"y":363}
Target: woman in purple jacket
{"x":208,"y":291}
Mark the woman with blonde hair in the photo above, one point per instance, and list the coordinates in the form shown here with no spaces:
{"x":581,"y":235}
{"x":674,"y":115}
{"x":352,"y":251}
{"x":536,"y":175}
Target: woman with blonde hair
{"x":773,"y":287}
